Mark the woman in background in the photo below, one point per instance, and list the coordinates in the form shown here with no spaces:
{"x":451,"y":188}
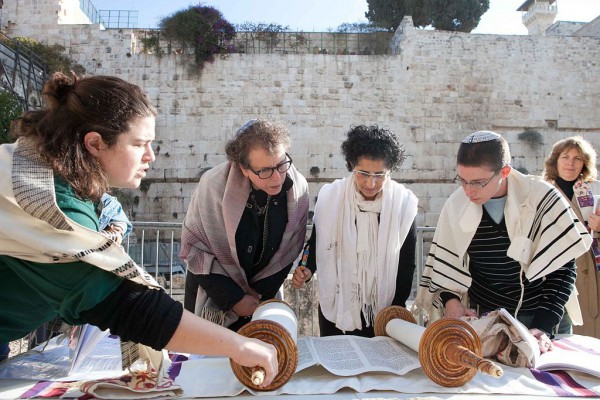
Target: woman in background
{"x":571,"y":167}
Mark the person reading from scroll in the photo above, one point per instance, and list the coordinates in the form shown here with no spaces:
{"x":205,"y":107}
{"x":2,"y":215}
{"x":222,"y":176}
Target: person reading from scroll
{"x":245,"y":226}
{"x":503,"y":240}
{"x":364,"y":236}
{"x":94,"y":133}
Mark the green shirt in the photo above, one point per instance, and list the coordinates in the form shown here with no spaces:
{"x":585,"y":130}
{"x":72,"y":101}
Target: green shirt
{"x":33,"y":293}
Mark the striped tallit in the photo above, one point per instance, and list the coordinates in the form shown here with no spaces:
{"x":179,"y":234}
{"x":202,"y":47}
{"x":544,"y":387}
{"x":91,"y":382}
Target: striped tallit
{"x":208,"y":237}
{"x":544,"y":231}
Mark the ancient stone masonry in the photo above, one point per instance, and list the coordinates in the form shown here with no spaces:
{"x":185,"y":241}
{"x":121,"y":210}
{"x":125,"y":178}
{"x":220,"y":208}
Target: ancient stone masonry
{"x":434,"y":89}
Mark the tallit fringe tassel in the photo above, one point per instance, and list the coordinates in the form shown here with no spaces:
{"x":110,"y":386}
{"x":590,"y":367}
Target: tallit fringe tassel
{"x":216,"y":316}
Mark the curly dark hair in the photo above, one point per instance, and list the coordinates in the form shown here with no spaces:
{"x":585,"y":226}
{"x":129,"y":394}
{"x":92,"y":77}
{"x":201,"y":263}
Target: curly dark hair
{"x":256,"y":133}
{"x":374,"y":143}
{"x":75,"y":106}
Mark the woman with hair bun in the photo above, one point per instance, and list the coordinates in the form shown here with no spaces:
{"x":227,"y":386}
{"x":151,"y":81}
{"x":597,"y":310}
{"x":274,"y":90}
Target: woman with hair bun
{"x":364,"y":236}
{"x":95,"y":133}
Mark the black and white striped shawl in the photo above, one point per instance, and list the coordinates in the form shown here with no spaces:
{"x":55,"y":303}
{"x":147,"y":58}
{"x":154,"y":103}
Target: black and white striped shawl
{"x":545,"y":234}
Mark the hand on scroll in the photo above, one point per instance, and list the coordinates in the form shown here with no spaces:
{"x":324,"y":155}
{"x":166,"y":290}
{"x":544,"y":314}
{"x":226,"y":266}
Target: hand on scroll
{"x":246,"y":306}
{"x":255,"y":353}
{"x":455,"y":309}
{"x":301,"y":276}
{"x":543,"y":340}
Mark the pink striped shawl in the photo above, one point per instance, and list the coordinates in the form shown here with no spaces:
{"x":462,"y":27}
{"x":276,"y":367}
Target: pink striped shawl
{"x":216,"y":207}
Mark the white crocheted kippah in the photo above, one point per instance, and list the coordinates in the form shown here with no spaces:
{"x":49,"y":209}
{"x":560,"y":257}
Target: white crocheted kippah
{"x":481,"y":136}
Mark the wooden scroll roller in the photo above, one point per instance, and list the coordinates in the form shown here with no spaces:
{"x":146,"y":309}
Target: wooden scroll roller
{"x":449,"y":349}
{"x":273,"y":322}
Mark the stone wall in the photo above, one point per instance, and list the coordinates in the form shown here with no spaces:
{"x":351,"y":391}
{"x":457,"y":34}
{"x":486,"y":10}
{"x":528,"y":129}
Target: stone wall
{"x":438,"y":87}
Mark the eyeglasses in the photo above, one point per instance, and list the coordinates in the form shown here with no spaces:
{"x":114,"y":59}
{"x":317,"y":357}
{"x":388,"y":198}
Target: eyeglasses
{"x":266,"y":173}
{"x":480,"y":184}
{"x":367,"y":175}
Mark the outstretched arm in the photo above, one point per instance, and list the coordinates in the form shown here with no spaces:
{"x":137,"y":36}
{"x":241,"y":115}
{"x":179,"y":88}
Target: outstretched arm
{"x":199,"y":336}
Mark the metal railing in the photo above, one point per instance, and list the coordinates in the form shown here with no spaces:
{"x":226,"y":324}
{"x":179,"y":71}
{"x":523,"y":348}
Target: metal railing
{"x":119,"y":19}
{"x":90,"y":10}
{"x":153,"y":41}
{"x":22,"y":72}
{"x":155,"y":246}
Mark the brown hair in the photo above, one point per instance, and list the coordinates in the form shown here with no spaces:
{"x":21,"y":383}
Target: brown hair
{"x":256,"y":133}
{"x":585,"y":148}
{"x":75,"y":106}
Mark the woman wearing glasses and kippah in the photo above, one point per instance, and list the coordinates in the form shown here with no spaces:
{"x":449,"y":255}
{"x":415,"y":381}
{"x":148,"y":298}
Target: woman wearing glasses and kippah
{"x":503,"y":240}
{"x":245,"y":226}
{"x":364,"y":236}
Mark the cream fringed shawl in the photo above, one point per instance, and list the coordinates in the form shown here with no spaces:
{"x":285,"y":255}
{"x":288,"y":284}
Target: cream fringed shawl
{"x":544,"y":234}
{"x":336,"y":257}
{"x":208,"y":237}
{"x":33,"y":228}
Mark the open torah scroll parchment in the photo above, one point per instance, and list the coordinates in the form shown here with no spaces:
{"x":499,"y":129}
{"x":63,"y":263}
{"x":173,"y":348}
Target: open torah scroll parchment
{"x":352,"y":355}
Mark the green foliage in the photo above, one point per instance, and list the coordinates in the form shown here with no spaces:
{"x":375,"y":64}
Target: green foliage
{"x":450,"y":15}
{"x":151,"y":44}
{"x":52,"y":55}
{"x":359,"y":27}
{"x":270,"y":34}
{"x":297,"y":40}
{"x":457,"y":15}
{"x":10,"y":108}
{"x":201,"y":28}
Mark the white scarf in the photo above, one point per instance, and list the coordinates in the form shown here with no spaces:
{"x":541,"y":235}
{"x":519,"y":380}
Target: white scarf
{"x":357,"y":252}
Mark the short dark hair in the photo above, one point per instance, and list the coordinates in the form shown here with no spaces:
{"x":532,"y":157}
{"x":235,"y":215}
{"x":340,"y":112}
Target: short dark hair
{"x":256,"y":133}
{"x":75,"y":106}
{"x":374,"y":143}
{"x":493,"y":154}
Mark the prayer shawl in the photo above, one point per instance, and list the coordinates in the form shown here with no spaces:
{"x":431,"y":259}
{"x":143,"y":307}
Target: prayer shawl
{"x":208,"y":237}
{"x":337,"y":250}
{"x":33,"y":228}
{"x":544,"y":232}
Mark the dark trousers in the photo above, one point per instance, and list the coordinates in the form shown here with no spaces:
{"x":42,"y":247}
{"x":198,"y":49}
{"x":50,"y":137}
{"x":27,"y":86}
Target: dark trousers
{"x":328,"y":328}
{"x":191,"y":292}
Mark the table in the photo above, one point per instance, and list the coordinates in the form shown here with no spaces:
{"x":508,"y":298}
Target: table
{"x":212,"y":378}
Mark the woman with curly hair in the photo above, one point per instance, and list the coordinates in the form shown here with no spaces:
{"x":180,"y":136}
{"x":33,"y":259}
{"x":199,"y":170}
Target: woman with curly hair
{"x":245,"y":226}
{"x":95,"y":133}
{"x":571,"y":167}
{"x":364,"y":236}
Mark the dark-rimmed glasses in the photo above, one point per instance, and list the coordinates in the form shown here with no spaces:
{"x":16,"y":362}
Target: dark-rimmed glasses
{"x":480,"y":184}
{"x":266,"y":173}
